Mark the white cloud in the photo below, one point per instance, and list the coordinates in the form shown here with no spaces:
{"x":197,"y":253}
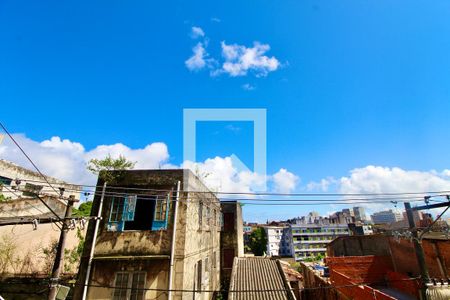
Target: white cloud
{"x":220,"y":174}
{"x":376,"y":179}
{"x":323,"y":185}
{"x":248,"y":87}
{"x":216,"y":20}
{"x":239,"y":60}
{"x":197,"y":32}
{"x":67,"y":160}
{"x":379,"y":179}
{"x":446,"y":173}
{"x":199,"y":59}
{"x":285,"y":181}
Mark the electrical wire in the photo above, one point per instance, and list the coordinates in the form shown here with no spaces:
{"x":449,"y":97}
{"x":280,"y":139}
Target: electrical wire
{"x":264,"y":193}
{"x":242,"y":291}
{"x":26,"y":155}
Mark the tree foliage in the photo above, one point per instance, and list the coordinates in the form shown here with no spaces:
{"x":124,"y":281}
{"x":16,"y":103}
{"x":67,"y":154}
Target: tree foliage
{"x":258,"y":241}
{"x":96,"y":166}
{"x":84,"y":210}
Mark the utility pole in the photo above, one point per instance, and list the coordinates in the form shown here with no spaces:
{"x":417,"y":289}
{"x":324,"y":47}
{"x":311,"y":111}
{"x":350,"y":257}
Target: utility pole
{"x":419,"y":252}
{"x":94,"y":238}
{"x":59,"y":257}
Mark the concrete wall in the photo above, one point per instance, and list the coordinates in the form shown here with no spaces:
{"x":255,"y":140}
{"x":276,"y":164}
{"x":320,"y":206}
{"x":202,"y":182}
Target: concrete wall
{"x":13,"y":171}
{"x":437,"y":252}
{"x":197,"y":240}
{"x":26,"y":207}
{"x":359,"y":246}
{"x":231,"y":239}
{"x":103,"y":275}
{"x":437,"y":257}
{"x":27,"y":257}
{"x":312,"y":282}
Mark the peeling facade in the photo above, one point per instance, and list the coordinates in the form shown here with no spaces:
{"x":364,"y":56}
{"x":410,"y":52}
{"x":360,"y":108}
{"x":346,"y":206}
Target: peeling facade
{"x":31,"y":181}
{"x":133,"y":246}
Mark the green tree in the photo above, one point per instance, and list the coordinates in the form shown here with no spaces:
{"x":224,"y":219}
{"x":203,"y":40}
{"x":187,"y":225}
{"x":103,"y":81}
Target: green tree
{"x":258,"y":241}
{"x":84,"y":210}
{"x":97,"y":166}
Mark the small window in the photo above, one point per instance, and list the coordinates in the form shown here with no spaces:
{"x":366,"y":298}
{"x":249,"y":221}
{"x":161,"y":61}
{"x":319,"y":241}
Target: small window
{"x":137,"y":286}
{"x":129,"y":286}
{"x":160,"y":211}
{"x":32,"y":189}
{"x":200,"y":215}
{"x":121,"y":285}
{"x":199,"y":276}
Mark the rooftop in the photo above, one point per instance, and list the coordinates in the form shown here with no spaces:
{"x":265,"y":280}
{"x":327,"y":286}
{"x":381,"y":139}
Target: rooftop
{"x":262,"y":276}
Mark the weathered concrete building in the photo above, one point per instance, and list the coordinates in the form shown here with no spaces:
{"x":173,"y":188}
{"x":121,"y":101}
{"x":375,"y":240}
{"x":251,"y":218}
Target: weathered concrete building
{"x":31,"y":182}
{"x":232,"y":238}
{"x":28,"y":237}
{"x":160,"y":230}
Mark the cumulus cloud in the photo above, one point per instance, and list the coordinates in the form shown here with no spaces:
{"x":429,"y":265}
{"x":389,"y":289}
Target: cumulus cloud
{"x":197,"y":60}
{"x":377,"y":179}
{"x":285,"y":181}
{"x":323,"y":185}
{"x":239,"y":60}
{"x":220,"y":174}
{"x":197,"y":32}
{"x":67,"y":160}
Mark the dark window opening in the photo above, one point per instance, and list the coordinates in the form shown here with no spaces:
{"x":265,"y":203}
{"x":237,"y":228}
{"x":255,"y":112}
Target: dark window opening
{"x":199,"y":276}
{"x":5,"y":180}
{"x":228,"y":257}
{"x":143,"y":215}
{"x":31,"y":189}
{"x":228,"y":222}
{"x":139,"y":213}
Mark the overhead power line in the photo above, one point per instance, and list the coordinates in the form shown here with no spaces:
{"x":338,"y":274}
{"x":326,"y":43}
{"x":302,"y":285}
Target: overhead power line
{"x":417,"y":194}
{"x":417,"y":279}
{"x":26,"y":155}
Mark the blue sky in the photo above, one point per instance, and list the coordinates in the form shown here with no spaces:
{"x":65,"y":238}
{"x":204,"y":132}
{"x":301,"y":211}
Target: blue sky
{"x":358,"y":83}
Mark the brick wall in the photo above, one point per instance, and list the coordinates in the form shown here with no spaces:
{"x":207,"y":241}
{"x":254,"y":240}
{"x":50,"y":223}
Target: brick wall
{"x":437,"y":257}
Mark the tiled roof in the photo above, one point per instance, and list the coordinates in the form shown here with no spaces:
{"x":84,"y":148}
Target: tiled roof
{"x":253,"y":277}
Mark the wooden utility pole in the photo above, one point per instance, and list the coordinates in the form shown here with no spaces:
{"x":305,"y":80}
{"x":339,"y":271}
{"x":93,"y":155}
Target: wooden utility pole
{"x":59,"y":257}
{"x":420,"y":254}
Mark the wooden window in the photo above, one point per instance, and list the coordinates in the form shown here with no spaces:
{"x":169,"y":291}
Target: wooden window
{"x":160,"y":210}
{"x":137,"y":286}
{"x":129,"y":286}
{"x":121,"y":285}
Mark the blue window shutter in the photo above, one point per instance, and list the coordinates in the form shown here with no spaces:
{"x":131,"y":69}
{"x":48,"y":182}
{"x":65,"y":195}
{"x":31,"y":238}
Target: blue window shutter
{"x":160,"y":218}
{"x":115,"y":223}
{"x":129,"y":208}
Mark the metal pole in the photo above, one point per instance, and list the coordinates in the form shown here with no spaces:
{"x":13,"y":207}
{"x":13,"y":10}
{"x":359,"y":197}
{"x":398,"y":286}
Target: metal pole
{"x":94,"y":238}
{"x":172,"y":250}
{"x":419,"y":252}
{"x":59,"y":257}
